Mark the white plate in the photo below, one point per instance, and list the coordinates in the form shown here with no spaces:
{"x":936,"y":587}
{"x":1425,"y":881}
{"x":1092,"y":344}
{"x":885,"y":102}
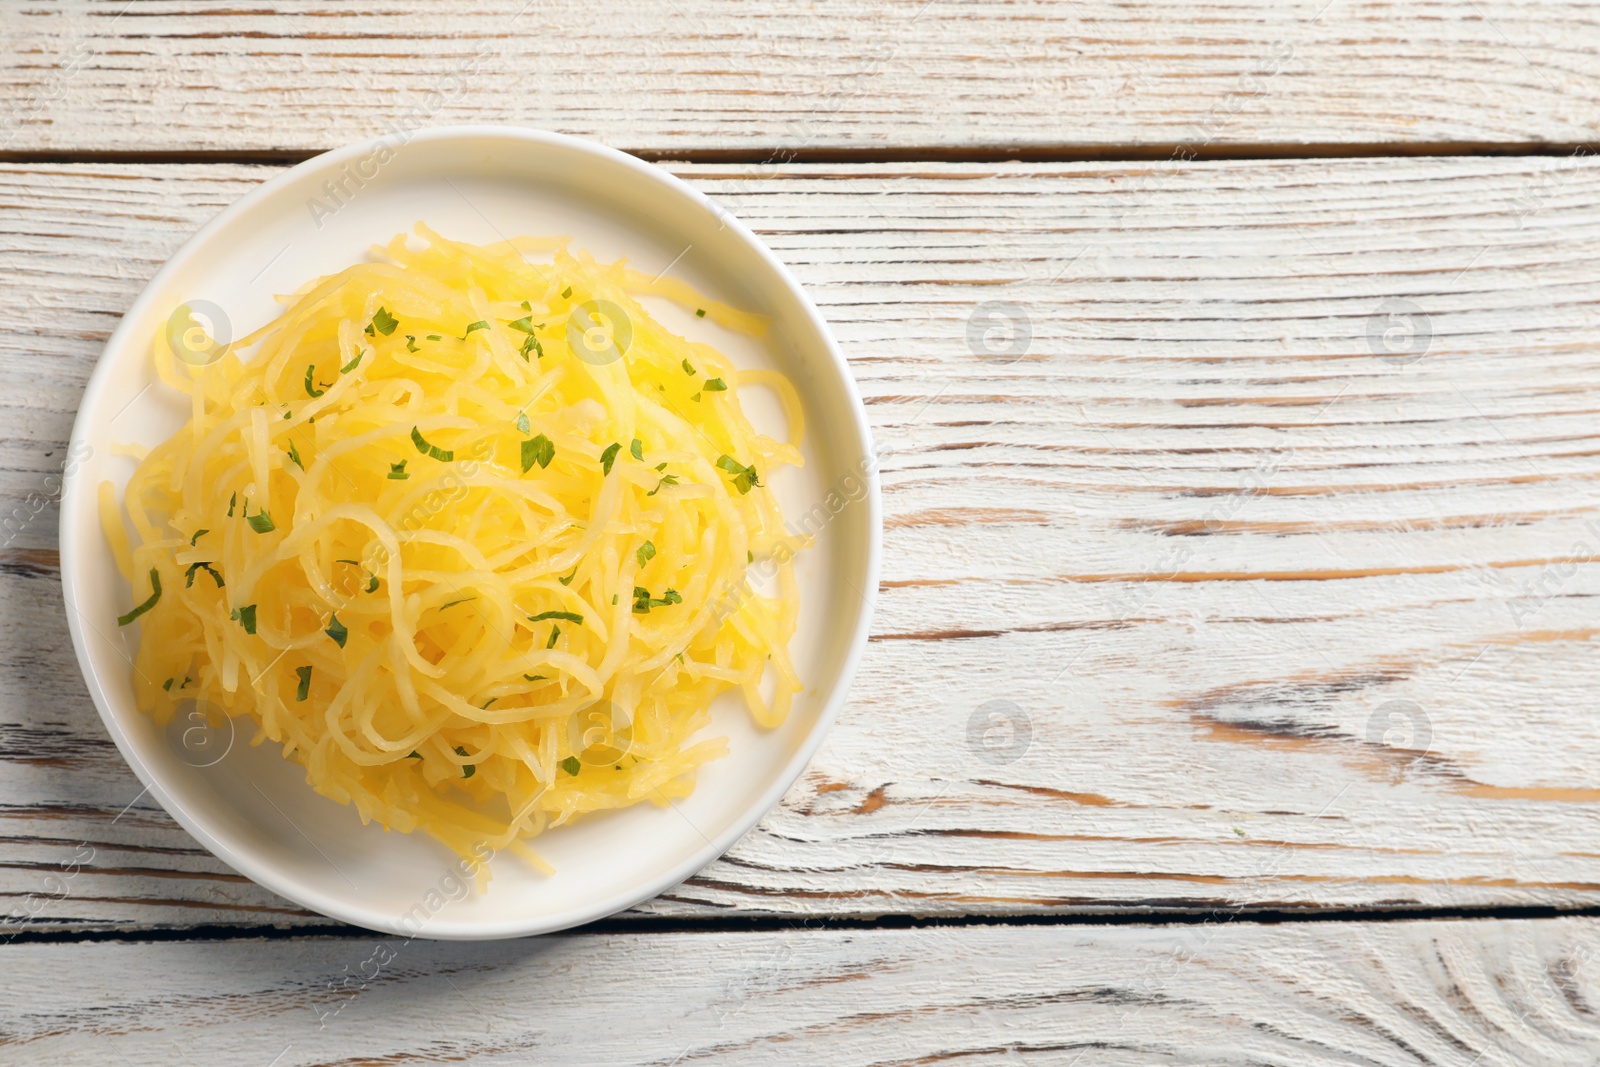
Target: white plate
{"x":251,"y":807}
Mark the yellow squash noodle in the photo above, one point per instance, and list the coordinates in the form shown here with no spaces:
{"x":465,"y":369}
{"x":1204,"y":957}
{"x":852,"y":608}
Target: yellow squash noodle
{"x":469,"y":535}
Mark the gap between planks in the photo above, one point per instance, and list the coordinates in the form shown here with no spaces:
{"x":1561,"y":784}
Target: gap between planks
{"x":1042,"y":153}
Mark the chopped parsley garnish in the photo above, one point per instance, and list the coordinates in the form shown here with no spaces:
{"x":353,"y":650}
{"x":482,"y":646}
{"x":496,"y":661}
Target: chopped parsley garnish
{"x":435,"y":337}
{"x":637,"y":450}
{"x":261,"y":522}
{"x":189,"y":580}
{"x":411,"y":346}
{"x":643,"y":601}
{"x":571,"y":765}
{"x":337,"y":630}
{"x":197,"y":535}
{"x":535,"y":677}
{"x":232,"y":500}
{"x":311,"y":390}
{"x":383,"y":322}
{"x":568,"y":579}
{"x":744,"y":478}
{"x":569,"y":616}
{"x":608,"y":457}
{"x":444,"y":455}
{"x":467,"y":769}
{"x":524,"y":324}
{"x":303,"y":690}
{"x":167,"y":685}
{"x":695,"y":398}
{"x":749,"y":557}
{"x":479,"y":325}
{"x":486,"y":703}
{"x":294,"y":456}
{"x":566,"y":292}
{"x":352,"y":365}
{"x":645,"y":553}
{"x":526,"y":306}
{"x":699,"y":313}
{"x":453,"y":603}
{"x":413,"y":754}
{"x":531,"y":345}
{"x":246,"y":617}
{"x":372,"y":584}
{"x":522,"y":422}
{"x":555,"y":632}
{"x":666,"y":479}
{"x":155,"y":595}
{"x":397,"y":471}
{"x":716,"y":385}
{"x":540,"y":450}
{"x":687,"y":369}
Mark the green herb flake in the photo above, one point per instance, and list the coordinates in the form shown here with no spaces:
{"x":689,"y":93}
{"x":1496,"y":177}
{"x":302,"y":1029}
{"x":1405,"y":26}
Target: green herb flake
{"x":167,"y":685}
{"x":311,"y":390}
{"x":453,"y":603}
{"x":716,"y":385}
{"x":479,"y":325}
{"x":444,"y":455}
{"x":531,"y":344}
{"x":189,"y":574}
{"x":303,"y":690}
{"x":411,"y":346}
{"x":485,"y":705}
{"x":569,"y":616}
{"x":526,"y":306}
{"x":744,"y":478}
{"x":637,"y":449}
{"x":197,"y":535}
{"x":749,"y":557}
{"x":608,"y":457}
{"x":666,"y":479}
{"x":372,"y":584}
{"x":522,"y":325}
{"x":397,"y":471}
{"x":687,"y":369}
{"x":613,"y":600}
{"x":383,"y":322}
{"x":699,"y":313}
{"x":645,"y":553}
{"x":337,"y":630}
{"x":232,"y":500}
{"x":522,"y":422}
{"x":535,"y":677}
{"x":555,"y":632}
{"x":538,"y":450}
{"x":261,"y":522}
{"x":568,"y":579}
{"x":246,"y":617}
{"x":352,"y":365}
{"x":567,"y":292}
{"x":435,"y":337}
{"x":294,"y":456}
{"x":413,"y":754}
{"x":571,"y":765}
{"x":467,"y":769}
{"x":672,"y":596}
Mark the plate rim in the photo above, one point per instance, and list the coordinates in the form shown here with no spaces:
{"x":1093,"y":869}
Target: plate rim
{"x":71,"y":546}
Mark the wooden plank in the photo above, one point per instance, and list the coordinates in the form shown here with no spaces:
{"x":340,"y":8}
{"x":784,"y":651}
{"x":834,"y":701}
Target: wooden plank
{"x":1288,"y":616}
{"x":1492,"y":994}
{"x":716,"y":75}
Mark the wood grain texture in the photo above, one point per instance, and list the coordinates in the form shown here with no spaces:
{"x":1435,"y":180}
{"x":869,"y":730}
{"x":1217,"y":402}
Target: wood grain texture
{"x":712,"y":75}
{"x":1486,"y":994}
{"x":1289,"y":618}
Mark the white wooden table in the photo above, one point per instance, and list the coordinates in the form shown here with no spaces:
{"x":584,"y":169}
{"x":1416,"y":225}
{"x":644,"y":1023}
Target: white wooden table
{"x":1268,"y":530}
